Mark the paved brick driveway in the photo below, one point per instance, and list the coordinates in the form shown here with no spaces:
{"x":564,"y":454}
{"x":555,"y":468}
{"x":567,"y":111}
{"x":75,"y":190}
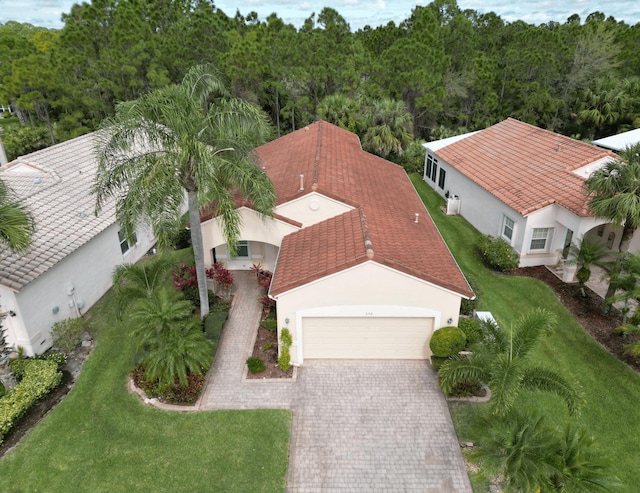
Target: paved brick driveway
{"x":357,"y":425}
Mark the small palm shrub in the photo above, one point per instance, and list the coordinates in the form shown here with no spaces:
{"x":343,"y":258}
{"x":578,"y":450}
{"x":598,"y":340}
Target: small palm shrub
{"x":255,"y":365}
{"x":497,"y":253}
{"x":67,"y":334}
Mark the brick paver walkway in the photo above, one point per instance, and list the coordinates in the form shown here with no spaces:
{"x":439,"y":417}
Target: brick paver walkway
{"x":357,"y":425}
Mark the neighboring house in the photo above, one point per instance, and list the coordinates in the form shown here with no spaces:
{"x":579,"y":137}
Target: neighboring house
{"x":523,"y":184}
{"x":621,"y":141}
{"x":74,"y":253}
{"x":360,"y":270}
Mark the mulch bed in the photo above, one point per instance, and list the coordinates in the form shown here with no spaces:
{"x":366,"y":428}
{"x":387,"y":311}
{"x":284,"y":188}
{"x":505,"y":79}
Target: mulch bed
{"x":588,"y":312}
{"x":269,"y":356}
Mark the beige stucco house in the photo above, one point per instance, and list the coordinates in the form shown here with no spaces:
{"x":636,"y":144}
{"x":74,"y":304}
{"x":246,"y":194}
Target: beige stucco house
{"x":360,"y":270}
{"x":74,"y":252}
{"x":523,"y":184}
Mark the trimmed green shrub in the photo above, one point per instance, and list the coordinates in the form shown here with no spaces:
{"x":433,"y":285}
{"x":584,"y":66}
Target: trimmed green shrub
{"x":67,"y":334}
{"x":18,"y":366}
{"x":468,"y":306}
{"x":447,"y":341}
{"x":40,"y":378}
{"x":255,"y":365}
{"x":284,"y":360}
{"x":497,"y":253}
{"x":213,"y":326}
{"x":437,"y":362}
{"x":57,"y":356}
{"x":471,"y":329}
{"x":269,"y":324}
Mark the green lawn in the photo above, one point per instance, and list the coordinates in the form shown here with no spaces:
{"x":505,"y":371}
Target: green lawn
{"x":611,"y":389}
{"x":102,"y":439}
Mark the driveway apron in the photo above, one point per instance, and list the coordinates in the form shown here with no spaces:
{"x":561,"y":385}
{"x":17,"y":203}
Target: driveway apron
{"x":365,"y":425}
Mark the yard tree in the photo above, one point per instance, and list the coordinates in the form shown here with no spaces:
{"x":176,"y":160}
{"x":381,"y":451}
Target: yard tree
{"x":17,"y":226}
{"x":501,"y":361}
{"x":389,"y":128}
{"x":190,"y":139}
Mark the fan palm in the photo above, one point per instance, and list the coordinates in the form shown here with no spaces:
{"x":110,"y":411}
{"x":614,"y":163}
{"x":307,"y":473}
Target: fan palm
{"x":389,"y":128}
{"x":191,"y":139}
{"x":342,"y":111}
{"x":501,"y":361}
{"x":16,"y":223}
{"x":169,"y":336}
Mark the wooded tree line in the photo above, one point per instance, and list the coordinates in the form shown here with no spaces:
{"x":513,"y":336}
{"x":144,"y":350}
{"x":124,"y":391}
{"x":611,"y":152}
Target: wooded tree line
{"x":455,"y":70}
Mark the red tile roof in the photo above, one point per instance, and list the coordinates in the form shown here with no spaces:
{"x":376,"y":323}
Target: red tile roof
{"x":382,"y":226}
{"x":526,"y":167}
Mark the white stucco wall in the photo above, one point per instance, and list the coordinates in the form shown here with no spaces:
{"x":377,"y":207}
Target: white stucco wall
{"x":375,"y":289}
{"x":312,"y":208}
{"x":264,"y":233}
{"x":88,"y":270}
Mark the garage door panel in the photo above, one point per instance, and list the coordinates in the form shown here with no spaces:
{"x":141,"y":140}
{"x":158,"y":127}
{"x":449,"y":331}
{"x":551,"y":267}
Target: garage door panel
{"x":366,"y":337}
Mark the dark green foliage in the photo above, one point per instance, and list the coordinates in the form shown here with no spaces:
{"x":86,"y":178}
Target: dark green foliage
{"x":213,"y":325}
{"x":58,"y":357}
{"x":267,"y":345}
{"x":412,"y":159}
{"x":269,"y":324}
{"x":175,"y":394}
{"x":468,"y":306}
{"x":447,"y":342}
{"x":471,"y":329}
{"x":2,"y":390}
{"x":255,"y":365}
{"x":437,"y":362}
{"x":284,"y":360}
{"x":18,"y":366}
{"x":497,"y":253}
{"x":67,"y":334}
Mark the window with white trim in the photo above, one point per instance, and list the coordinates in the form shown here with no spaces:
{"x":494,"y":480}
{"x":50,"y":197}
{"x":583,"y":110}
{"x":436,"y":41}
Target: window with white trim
{"x":539,"y":238}
{"x":434,"y":170}
{"x":427,"y":171}
{"x":124,"y":244}
{"x":442,"y":178}
{"x":243,"y":249}
{"x":508,"y":226}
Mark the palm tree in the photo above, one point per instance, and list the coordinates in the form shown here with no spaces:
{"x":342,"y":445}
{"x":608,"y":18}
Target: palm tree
{"x":623,"y":281}
{"x":587,"y":254}
{"x":614,"y":194}
{"x":500,"y":361}
{"x":527,"y":455}
{"x":191,"y":139}
{"x":389,"y":128}
{"x":170,"y":337}
{"x":16,"y":223}
{"x":342,"y":111}
{"x":135,"y":281}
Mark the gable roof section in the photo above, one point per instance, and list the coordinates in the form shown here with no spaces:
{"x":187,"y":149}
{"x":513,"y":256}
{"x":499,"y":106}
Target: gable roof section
{"x":524,"y":166}
{"x":382,"y":226}
{"x":54,"y":185}
{"x":621,"y":141}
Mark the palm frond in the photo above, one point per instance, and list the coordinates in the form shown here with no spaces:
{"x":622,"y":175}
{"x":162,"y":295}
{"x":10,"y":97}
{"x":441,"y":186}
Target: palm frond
{"x":547,"y":380}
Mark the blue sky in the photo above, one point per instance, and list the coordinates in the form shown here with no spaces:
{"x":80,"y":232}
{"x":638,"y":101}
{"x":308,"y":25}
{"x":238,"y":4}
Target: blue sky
{"x":357,"y":12}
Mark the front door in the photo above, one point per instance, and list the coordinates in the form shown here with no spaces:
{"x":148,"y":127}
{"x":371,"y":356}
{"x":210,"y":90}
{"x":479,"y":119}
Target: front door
{"x":567,"y":243}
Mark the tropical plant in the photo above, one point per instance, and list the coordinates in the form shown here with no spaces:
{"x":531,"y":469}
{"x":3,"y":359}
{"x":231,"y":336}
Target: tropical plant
{"x":501,"y":361}
{"x":17,"y":226}
{"x":524,"y":454}
{"x":389,"y":128}
{"x":585,"y":255}
{"x":624,"y":275}
{"x":169,"y":337}
{"x":134,"y":281}
{"x":497,"y":253}
{"x":342,"y":111}
{"x":67,"y":334}
{"x":614,"y":193}
{"x":192,"y":138}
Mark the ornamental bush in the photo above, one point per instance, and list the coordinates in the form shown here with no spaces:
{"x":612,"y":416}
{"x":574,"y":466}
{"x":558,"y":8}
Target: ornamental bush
{"x":269,"y":324}
{"x":40,"y":378}
{"x":67,"y":334}
{"x":471,"y":329}
{"x":284,"y":360}
{"x":447,"y":341}
{"x":255,"y":365}
{"x":497,"y":253}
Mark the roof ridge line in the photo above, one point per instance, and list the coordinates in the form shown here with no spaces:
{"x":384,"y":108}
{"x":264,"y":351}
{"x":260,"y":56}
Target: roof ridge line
{"x":316,"y":164}
{"x":368,"y":245}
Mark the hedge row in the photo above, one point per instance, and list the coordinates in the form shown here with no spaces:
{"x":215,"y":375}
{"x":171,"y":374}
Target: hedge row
{"x":40,"y":378}
{"x":214,"y":323}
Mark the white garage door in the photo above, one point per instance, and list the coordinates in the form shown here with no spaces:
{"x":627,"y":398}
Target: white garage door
{"x":366,"y":338}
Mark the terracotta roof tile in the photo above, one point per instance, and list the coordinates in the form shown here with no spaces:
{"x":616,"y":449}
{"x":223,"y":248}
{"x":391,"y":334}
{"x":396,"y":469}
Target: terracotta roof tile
{"x":381,"y":228}
{"x":524,"y":166}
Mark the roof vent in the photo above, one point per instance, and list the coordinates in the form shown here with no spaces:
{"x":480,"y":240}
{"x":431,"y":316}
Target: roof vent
{"x":37,"y":181}
{"x":83,"y":213}
{"x":416,"y":219}
{"x":301,"y":183}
